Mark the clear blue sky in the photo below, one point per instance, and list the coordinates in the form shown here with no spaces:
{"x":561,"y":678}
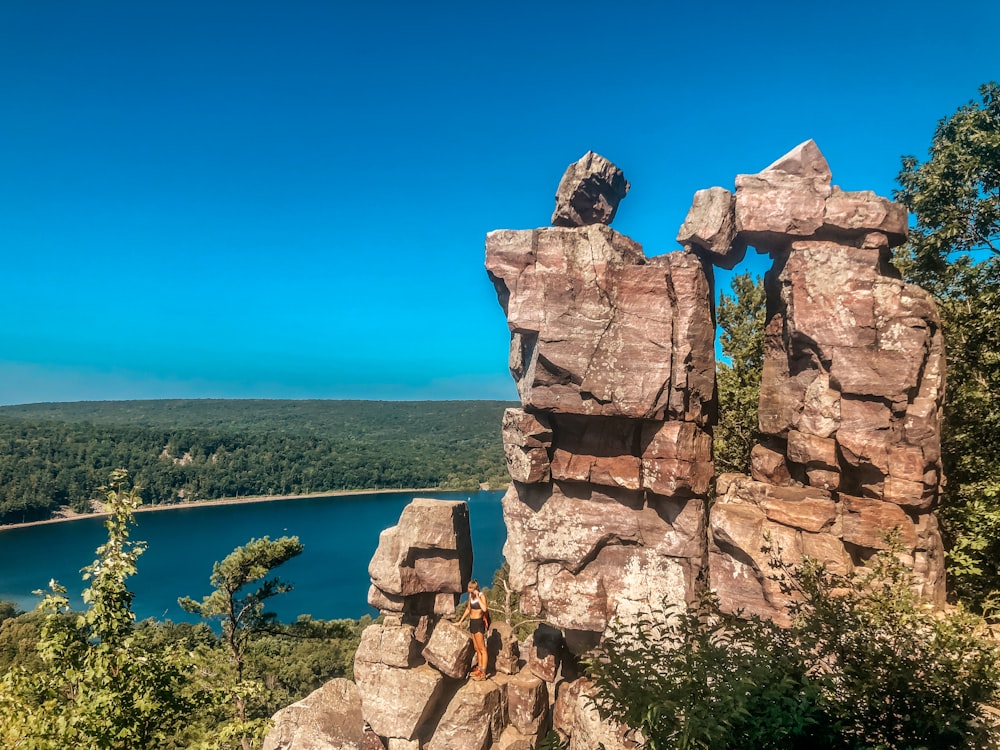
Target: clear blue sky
{"x":289,"y":200}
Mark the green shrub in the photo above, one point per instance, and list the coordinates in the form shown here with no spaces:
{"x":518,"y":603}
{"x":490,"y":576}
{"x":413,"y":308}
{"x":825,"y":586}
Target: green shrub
{"x":865,"y":664}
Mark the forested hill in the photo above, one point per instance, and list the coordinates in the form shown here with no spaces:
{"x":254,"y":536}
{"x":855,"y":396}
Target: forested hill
{"x":58,"y":454}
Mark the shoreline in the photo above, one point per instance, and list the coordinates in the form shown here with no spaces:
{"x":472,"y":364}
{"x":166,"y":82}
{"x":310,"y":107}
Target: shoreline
{"x":74,"y":516}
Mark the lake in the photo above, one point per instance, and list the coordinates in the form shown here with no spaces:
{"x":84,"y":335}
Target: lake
{"x":330,"y":577}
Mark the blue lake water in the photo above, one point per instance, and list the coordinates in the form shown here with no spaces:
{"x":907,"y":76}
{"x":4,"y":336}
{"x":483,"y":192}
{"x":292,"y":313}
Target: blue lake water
{"x":330,"y":577}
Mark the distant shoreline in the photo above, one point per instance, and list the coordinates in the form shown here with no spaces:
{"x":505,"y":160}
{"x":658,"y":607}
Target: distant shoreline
{"x":69,"y":515}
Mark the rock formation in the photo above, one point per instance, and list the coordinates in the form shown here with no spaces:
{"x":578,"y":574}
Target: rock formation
{"x":850,"y":395}
{"x":610,"y":453}
{"x":411,"y":668}
{"x":613,"y":356}
{"x":328,"y":719}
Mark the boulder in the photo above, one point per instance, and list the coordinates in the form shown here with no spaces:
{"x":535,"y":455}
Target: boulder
{"x":593,"y":324}
{"x":473,"y":719}
{"x":854,"y":214}
{"x":589,"y":192}
{"x":503,"y":649}
{"x":527,"y":439}
{"x":793,"y":199}
{"x":583,"y":554}
{"x":545,"y":653}
{"x":590,"y":731}
{"x":399,"y":702}
{"x":395,"y":646}
{"x":425,"y":561}
{"x":449,"y":649}
{"x":511,"y":739}
{"x":710,"y":227}
{"x":527,"y":703}
{"x":564,"y":706}
{"x":329,"y":718}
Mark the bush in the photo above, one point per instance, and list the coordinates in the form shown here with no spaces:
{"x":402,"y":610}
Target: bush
{"x":865,"y":664}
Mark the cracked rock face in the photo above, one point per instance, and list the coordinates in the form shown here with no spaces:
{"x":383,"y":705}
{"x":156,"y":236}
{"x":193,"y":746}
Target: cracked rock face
{"x":851,"y":391}
{"x":424,"y":563}
{"x":598,"y":329}
{"x":613,"y":356}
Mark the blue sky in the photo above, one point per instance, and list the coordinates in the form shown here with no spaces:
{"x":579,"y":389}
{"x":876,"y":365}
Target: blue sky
{"x":251,"y":199}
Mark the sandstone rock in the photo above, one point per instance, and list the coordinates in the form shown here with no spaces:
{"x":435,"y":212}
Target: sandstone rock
{"x":804,"y":448}
{"x":774,"y":207}
{"x":589,"y":731}
{"x":395,"y":646}
{"x":692,"y":373}
{"x":424,"y":561}
{"x":710,"y":227}
{"x":611,"y":452}
{"x":527,"y":703}
{"x":867,"y":522}
{"x":768,"y":465}
{"x":793,"y":199}
{"x":805,"y":161}
{"x":503,"y":649}
{"x":397,"y":743}
{"x":753,"y":524}
{"x":589,"y":192}
{"x":511,"y":739}
{"x":545,"y":654}
{"x":854,"y":214}
{"x":676,"y":458}
{"x":526,"y":442}
{"x":399,"y":702}
{"x":581,"y":554}
{"x":472,"y":720}
{"x":847,"y":352}
{"x":607,"y":471}
{"x":564,"y":707}
{"x":592,"y":323}
{"x":449,"y":649}
{"x":329,"y":718}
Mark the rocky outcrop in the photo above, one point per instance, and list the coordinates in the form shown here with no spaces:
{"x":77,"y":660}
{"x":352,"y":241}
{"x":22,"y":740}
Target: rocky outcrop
{"x":422,"y":564}
{"x":851,"y":391}
{"x":609,"y":512}
{"x":610,"y":454}
{"x":411,"y":667}
{"x":328,"y":719}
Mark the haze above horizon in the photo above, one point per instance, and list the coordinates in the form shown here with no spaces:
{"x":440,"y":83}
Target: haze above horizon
{"x":237,"y":200}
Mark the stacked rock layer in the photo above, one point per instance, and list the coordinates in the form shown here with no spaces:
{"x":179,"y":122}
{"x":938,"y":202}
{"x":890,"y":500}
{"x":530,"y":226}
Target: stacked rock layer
{"x":851,"y":390}
{"x":610,"y":453}
{"x":411,"y":668}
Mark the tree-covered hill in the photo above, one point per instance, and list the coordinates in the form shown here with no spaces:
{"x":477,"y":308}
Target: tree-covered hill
{"x":178,"y":450}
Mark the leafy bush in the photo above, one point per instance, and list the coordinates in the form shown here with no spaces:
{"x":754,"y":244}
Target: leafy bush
{"x":865,"y":664}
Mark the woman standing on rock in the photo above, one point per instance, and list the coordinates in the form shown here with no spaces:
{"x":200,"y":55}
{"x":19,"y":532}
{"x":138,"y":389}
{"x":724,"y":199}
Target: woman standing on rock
{"x":478,"y":613}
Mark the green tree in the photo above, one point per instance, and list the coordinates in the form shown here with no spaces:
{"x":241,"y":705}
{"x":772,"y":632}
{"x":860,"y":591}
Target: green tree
{"x":98,"y":686}
{"x":244,"y":618}
{"x":954,"y":252}
{"x":741,"y":319}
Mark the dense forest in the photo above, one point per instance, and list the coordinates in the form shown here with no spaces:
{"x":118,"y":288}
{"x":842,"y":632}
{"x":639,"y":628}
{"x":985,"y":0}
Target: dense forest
{"x":54,"y":455}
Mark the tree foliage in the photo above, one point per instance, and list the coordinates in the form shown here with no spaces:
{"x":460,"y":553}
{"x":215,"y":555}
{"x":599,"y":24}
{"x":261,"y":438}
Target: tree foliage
{"x":98,"y":685}
{"x":865,"y":664}
{"x":52,"y":455}
{"x":955,"y":194}
{"x":953,"y":252}
{"x":239,"y":605}
{"x":741,"y":318}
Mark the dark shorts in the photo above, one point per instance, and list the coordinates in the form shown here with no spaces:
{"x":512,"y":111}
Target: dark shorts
{"x":476,"y":625}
